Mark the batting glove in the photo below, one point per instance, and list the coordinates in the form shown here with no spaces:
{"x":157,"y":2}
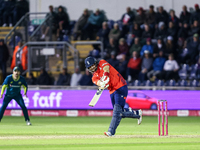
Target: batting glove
{"x":105,"y":79}
{"x":104,"y":83}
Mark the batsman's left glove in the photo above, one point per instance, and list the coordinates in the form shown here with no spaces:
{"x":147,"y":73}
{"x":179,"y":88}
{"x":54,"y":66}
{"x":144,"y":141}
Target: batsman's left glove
{"x":104,"y":82}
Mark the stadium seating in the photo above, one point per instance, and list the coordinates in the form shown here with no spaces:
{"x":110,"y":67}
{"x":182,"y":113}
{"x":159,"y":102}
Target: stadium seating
{"x":194,"y":83}
{"x":182,"y":83}
{"x":170,"y":83}
{"x":183,"y":72}
{"x":193,"y":70}
{"x":147,"y":83}
{"x":159,"y":83}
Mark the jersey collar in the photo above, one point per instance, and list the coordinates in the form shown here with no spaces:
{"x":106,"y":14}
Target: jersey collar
{"x":17,"y":79}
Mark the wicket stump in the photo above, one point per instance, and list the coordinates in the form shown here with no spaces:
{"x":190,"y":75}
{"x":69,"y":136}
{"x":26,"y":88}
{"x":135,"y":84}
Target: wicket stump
{"x":164,"y":111}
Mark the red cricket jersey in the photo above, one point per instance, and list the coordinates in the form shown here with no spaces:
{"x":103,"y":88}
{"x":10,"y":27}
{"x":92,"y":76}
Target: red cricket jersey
{"x":116,"y":80}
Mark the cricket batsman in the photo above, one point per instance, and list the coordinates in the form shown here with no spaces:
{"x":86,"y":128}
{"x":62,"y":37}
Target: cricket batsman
{"x":106,"y":76}
{"x":13,"y":84}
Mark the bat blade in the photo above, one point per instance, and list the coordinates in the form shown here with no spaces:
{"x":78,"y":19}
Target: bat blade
{"x":96,"y":98}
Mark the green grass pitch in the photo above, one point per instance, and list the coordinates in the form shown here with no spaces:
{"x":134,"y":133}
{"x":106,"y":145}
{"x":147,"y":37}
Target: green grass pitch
{"x":86,"y":133}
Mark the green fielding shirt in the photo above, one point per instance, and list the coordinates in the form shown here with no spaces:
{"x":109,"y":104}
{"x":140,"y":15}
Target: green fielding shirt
{"x":13,"y":86}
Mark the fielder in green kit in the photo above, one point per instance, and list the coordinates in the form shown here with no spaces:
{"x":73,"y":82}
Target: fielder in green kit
{"x":13,"y":84}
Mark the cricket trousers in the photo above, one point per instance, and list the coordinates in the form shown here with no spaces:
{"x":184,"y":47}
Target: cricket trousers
{"x":119,"y":96}
{"x":20,"y":102}
{"x":118,"y":101}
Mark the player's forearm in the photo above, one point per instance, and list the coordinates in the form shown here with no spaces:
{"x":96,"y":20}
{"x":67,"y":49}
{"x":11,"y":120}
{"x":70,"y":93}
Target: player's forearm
{"x":3,"y":89}
{"x":25,"y":89}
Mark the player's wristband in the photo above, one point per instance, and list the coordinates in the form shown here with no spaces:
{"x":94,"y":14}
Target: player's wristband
{"x":106,"y":74}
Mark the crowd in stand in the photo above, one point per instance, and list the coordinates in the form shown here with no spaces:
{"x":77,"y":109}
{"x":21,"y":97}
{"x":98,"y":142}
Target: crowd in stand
{"x":150,"y":45}
{"x":11,"y":11}
{"x":142,"y":45}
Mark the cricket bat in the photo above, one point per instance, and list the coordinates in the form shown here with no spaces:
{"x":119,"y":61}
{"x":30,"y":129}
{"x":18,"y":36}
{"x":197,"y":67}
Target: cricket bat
{"x":96,"y":97}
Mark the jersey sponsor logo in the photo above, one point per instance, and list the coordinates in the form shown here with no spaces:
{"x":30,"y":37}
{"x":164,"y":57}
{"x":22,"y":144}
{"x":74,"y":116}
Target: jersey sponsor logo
{"x":15,"y":86}
{"x":11,"y":82}
{"x":19,"y":82}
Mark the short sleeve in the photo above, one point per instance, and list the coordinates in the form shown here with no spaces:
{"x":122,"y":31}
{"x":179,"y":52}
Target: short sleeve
{"x":103,"y":63}
{"x":6,"y":81}
{"x":95,"y":79}
{"x":165,"y":65}
{"x":24,"y":81}
{"x":176,"y":65}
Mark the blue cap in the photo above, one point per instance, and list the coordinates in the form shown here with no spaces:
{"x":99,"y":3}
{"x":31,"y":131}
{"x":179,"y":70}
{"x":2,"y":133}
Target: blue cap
{"x":89,"y":61}
{"x":16,"y":69}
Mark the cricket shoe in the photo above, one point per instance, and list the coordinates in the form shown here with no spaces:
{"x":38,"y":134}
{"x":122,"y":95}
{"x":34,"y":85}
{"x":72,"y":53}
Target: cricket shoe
{"x":28,"y":123}
{"x":108,"y":134}
{"x":140,"y":119}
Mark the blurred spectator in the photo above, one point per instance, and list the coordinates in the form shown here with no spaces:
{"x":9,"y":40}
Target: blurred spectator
{"x":123,"y":66}
{"x":123,"y":47}
{"x":173,"y":18}
{"x":170,"y":69}
{"x":195,"y":15}
{"x":31,"y":79}
{"x":64,"y":78}
{"x":162,"y":16}
{"x":19,"y":58}
{"x":146,"y":66}
{"x":4,"y":56}
{"x":86,"y":79}
{"x":95,"y":53}
{"x":183,"y":32}
{"x":133,"y":67}
{"x":63,"y":20}
{"x":179,"y":45}
{"x":157,"y":66}
{"x":111,"y":47}
{"x":127,"y":20}
{"x":159,"y":46}
{"x":115,"y":33}
{"x":147,"y":33}
{"x":148,"y":47}
{"x":82,"y":21}
{"x":172,"y":30}
{"x":94,"y":24}
{"x":193,"y":48}
{"x":140,"y":18}
{"x":151,"y":17}
{"x":21,"y":8}
{"x":51,"y":22}
{"x":44,"y":78}
{"x":136,"y":32}
{"x":113,"y":61}
{"x":8,"y":7}
{"x":102,"y":35}
{"x":198,"y":69}
{"x":184,"y":16}
{"x":194,"y":29}
{"x":76,"y":76}
{"x":135,"y":47}
{"x":182,"y":52}
{"x":1,"y":11}
{"x":160,"y":31}
{"x":170,"y":48}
